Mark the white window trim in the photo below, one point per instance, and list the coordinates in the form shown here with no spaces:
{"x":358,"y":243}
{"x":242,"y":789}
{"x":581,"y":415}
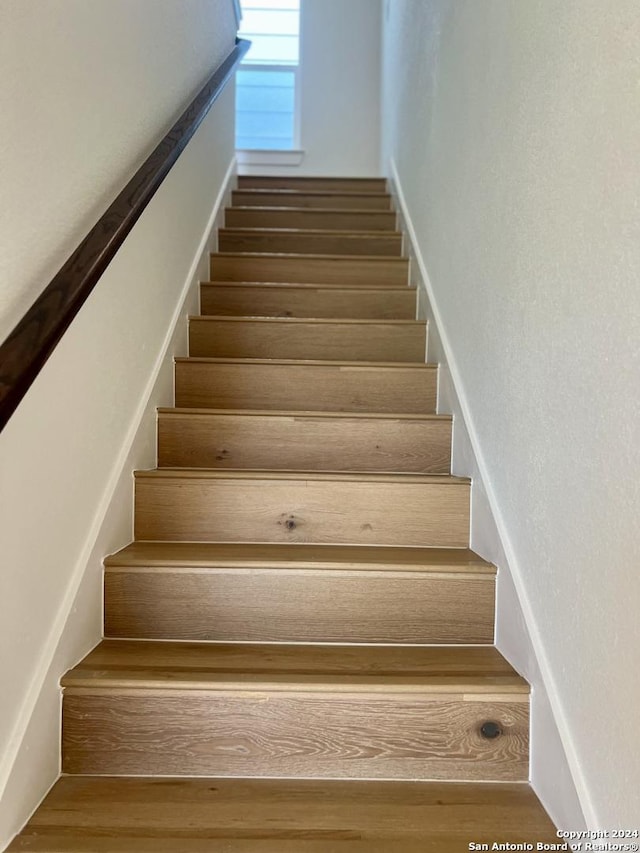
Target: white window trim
{"x":269,"y":157}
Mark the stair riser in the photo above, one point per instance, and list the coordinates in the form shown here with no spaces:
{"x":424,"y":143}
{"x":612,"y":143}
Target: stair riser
{"x":303,"y":444}
{"x":290,"y":510}
{"x":335,"y":220}
{"x":304,"y":735}
{"x":309,"y":606}
{"x":311,"y":270}
{"x":316,"y":388}
{"x":327,"y":201}
{"x":374,"y":185}
{"x":347,"y":341}
{"x":239,"y":301}
{"x":312,"y":244}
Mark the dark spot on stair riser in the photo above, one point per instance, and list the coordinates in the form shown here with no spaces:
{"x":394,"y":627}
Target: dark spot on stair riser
{"x":267,"y":733}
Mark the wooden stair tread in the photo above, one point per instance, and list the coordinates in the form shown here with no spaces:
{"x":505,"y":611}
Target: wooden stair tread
{"x":339,"y":219}
{"x":297,"y":256}
{"x":303,"y":476}
{"x":305,"y":362}
{"x":267,"y":208}
{"x":258,"y":555}
{"x":312,"y":199}
{"x":289,"y":191}
{"x":275,"y":413}
{"x":293,"y":321}
{"x":308,"y":232}
{"x":152,"y":665}
{"x":203,"y":815}
{"x":306,"y":286}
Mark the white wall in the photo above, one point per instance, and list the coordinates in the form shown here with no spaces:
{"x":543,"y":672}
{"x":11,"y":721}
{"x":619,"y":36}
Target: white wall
{"x":88,"y":89}
{"x":91,"y":87}
{"x":340,"y":97}
{"x":514,"y":132}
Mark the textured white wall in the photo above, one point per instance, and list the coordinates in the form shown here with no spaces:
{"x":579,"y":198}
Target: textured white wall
{"x":91,"y":89}
{"x":515,"y":129}
{"x":88,"y":89}
{"x":340,"y":82}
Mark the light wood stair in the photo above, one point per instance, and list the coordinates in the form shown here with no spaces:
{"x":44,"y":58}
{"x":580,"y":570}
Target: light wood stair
{"x":282,"y":711}
{"x":307,"y":300}
{"x":315,"y":218}
{"x":298,"y":650}
{"x":299,"y":593}
{"x":305,"y":385}
{"x":310,"y":269}
{"x":314,"y":242}
{"x":304,"y":441}
{"x":332,"y":199}
{"x":89,"y":814}
{"x":296,"y":337}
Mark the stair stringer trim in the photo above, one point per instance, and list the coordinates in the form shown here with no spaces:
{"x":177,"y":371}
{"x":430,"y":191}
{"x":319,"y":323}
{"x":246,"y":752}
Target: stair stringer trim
{"x":81,"y":613}
{"x":555,"y":770}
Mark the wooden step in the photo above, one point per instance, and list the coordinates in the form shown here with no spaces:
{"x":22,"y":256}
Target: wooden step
{"x":288,"y":337}
{"x":189,"y":815}
{"x":238,"y":299}
{"x":327,"y":219}
{"x":270,"y":182}
{"x":310,"y":198}
{"x":314,"y":386}
{"x":298,"y":593}
{"x":290,"y":711}
{"x":309,"y":269}
{"x":323,"y":508}
{"x":310,"y":242}
{"x":333,"y":441}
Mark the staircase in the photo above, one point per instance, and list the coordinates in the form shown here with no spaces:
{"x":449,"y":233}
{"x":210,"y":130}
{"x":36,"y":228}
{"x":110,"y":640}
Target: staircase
{"x":298,"y":651}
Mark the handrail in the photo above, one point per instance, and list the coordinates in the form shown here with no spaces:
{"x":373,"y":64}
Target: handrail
{"x":25,"y":351}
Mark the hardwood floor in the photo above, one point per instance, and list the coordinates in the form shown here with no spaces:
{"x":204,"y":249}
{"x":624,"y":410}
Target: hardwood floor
{"x":112,"y":815}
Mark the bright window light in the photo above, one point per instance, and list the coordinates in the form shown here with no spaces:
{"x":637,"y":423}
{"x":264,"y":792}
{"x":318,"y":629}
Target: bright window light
{"x":267,"y":81}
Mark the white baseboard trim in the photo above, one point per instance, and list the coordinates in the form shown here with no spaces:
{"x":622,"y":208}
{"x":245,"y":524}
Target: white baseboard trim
{"x":555,"y":770}
{"x":61,"y":651}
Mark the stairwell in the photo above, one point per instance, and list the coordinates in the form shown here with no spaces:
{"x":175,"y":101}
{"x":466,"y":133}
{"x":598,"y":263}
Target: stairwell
{"x":298,"y":650}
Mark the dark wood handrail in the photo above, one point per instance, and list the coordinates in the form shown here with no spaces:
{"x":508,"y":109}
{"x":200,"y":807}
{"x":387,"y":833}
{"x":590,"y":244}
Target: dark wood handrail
{"x":30,"y":344}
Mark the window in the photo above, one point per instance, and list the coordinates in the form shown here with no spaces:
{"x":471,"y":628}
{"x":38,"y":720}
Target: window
{"x":267,"y":114}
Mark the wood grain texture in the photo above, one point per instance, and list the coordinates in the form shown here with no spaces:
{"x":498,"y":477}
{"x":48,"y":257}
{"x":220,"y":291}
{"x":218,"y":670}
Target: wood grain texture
{"x":263,"y":555}
{"x":306,"y":386}
{"x":293,"y":337}
{"x":309,"y":198}
{"x":112,"y":815}
{"x":318,"y":735}
{"x":312,"y":242}
{"x":289,"y":217}
{"x":26,"y":350}
{"x":265,"y":182}
{"x":471,"y":670}
{"x":198,"y":438}
{"x":367,"y":509}
{"x":272,"y":300}
{"x":309,"y":269}
{"x":299,"y":605}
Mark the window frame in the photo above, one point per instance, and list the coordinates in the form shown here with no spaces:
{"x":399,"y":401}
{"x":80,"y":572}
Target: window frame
{"x":279,"y":156}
